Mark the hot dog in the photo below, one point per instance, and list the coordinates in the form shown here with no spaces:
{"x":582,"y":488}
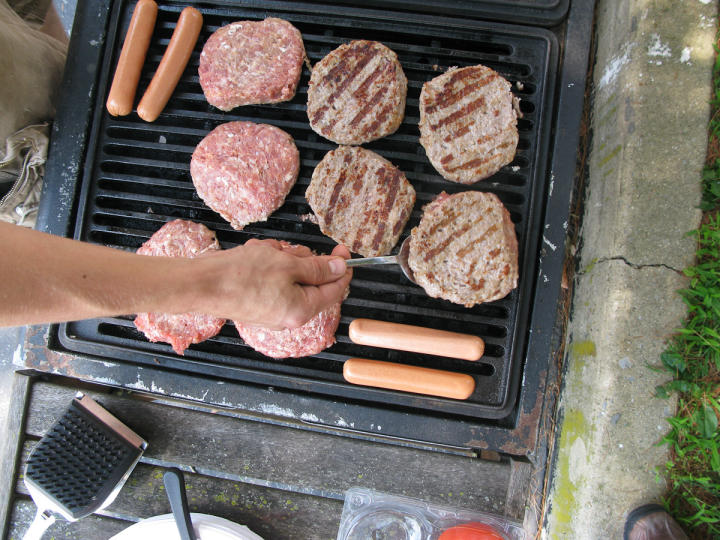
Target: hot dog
{"x":405,"y":378}
{"x":172,"y":64}
{"x":132,"y":57}
{"x":405,"y":337}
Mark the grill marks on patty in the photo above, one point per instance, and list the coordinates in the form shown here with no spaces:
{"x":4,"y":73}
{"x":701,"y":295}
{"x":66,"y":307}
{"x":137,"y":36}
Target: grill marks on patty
{"x":474,"y":164}
{"x":449,"y":96}
{"x":390,"y":180}
{"x":360,"y":199}
{"x":468,"y":123}
{"x":461,"y":113}
{"x":337,"y":188}
{"x":362,"y":91}
{"x":465,"y":249}
{"x":362,"y":94}
{"x":344,"y":73}
{"x":357,"y":93}
{"x":442,"y":246}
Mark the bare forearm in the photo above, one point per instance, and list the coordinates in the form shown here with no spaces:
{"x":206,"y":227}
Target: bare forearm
{"x":49,"y":279}
{"x":46,"y":278}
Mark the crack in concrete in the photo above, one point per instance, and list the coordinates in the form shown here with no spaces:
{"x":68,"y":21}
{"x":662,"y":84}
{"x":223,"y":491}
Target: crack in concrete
{"x":589,"y":267}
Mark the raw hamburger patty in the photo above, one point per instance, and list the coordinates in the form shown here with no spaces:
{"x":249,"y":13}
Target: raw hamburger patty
{"x":244,"y":170}
{"x":314,"y":336}
{"x":249,"y":62}
{"x":179,"y":238}
{"x":465,"y":249}
{"x":360,"y":200}
{"x":357,"y":93}
{"x":468,"y":123}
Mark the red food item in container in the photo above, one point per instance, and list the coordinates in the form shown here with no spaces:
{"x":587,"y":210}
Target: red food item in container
{"x":471,"y":531}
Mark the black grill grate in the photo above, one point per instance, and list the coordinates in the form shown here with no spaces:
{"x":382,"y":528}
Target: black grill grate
{"x":534,"y":12}
{"x":136,"y":178}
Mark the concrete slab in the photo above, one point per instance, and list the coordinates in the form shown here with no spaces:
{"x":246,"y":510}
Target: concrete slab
{"x":611,"y":423}
{"x":652,"y":84}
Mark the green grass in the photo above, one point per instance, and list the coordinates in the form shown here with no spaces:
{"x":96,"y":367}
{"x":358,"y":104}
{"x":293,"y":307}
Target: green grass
{"x":693,"y":357}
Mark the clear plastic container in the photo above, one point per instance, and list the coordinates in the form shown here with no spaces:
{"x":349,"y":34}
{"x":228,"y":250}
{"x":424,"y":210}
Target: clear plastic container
{"x":369,"y":514}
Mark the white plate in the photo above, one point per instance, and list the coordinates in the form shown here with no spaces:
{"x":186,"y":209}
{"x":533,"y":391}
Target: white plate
{"x":206,"y":528}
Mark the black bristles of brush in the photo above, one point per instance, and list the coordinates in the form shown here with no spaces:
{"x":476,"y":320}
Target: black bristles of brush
{"x":79,"y":462}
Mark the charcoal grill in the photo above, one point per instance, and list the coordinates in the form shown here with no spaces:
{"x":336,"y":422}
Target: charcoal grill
{"x":120,"y":179}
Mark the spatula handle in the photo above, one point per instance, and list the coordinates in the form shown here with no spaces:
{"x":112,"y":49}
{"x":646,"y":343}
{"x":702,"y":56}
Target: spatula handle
{"x":390,"y":259}
{"x":175,"y":489}
{"x":43,"y":519}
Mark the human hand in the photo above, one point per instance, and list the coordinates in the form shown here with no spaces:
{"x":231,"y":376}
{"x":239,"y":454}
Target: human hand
{"x":272,"y":284}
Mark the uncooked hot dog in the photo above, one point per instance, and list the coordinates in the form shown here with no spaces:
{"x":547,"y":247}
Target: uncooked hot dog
{"x":172,"y":64}
{"x":132,"y":57}
{"x":405,"y":378}
{"x":405,"y":337}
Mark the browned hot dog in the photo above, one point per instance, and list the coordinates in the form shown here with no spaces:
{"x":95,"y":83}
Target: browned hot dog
{"x":172,"y":64}
{"x":405,"y":378}
{"x":132,"y":57}
{"x":405,"y":337}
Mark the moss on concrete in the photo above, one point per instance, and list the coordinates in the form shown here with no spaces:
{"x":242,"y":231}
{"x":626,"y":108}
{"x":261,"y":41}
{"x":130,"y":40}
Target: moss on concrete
{"x":574,"y":427}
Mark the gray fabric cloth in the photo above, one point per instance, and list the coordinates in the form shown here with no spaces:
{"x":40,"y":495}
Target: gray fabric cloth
{"x":24,"y":165}
{"x":31,"y":66}
{"x":32,"y":11}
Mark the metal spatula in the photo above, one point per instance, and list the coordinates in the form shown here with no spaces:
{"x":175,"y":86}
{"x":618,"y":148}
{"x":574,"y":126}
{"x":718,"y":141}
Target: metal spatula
{"x":80,"y":464}
{"x":400,"y":259}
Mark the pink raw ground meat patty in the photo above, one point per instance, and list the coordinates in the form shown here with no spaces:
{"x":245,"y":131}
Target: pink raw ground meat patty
{"x":250,"y":62}
{"x":244,"y":170}
{"x":314,"y":336}
{"x":179,"y":238}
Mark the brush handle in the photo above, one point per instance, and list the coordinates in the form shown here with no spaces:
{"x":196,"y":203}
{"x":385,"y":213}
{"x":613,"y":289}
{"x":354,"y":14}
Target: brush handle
{"x":175,"y":489}
{"x":43,"y":519}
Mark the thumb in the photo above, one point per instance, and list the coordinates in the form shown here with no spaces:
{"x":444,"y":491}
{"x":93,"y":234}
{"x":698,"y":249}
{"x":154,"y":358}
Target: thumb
{"x":319,"y":270}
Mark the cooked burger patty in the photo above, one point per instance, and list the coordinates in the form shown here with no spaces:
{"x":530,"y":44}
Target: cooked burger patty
{"x":179,"y":238}
{"x":244,"y":170}
{"x":468,"y":123}
{"x":249,"y":62}
{"x":360,"y":200}
{"x":357,"y":93}
{"x":314,"y":336}
{"x":465,"y":249}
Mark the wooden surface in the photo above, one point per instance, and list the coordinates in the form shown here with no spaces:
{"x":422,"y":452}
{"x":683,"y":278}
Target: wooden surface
{"x":11,"y":442}
{"x":281,"y":482}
